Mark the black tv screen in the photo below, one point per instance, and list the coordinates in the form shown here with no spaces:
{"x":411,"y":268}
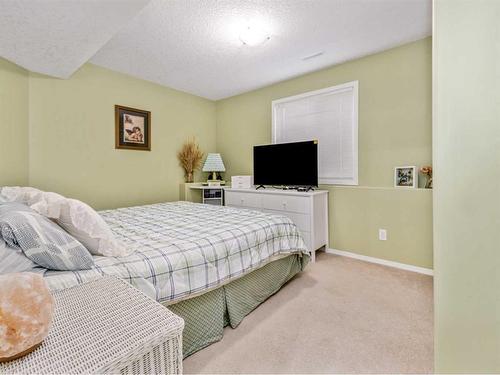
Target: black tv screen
{"x":286,"y":164}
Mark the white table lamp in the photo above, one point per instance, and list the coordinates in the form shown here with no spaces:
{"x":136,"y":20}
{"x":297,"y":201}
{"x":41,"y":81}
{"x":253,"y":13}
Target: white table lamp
{"x":214,"y":164}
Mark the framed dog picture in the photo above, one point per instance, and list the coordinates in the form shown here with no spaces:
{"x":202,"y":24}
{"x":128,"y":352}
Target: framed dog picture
{"x":132,"y":128}
{"x":405,"y":177}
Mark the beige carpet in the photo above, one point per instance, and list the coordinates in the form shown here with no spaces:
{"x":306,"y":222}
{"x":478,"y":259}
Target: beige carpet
{"x":340,"y":315}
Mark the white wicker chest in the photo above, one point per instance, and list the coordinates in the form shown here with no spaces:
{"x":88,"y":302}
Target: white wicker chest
{"x":106,"y":326}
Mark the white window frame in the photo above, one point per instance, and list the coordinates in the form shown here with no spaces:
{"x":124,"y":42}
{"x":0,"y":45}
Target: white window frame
{"x":349,"y":86}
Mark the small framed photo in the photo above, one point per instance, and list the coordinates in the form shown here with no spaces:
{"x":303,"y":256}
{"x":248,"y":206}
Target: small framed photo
{"x":132,"y":128}
{"x":406,"y":177}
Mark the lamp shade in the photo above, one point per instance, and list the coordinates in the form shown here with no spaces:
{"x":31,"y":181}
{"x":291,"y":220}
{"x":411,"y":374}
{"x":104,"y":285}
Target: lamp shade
{"x":214,"y":163}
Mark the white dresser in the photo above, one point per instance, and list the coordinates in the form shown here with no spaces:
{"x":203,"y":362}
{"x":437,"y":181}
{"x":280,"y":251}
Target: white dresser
{"x":308,"y":210}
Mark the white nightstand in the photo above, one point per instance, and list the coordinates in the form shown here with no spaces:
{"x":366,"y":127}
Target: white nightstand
{"x":211,"y":194}
{"x":197,"y":192}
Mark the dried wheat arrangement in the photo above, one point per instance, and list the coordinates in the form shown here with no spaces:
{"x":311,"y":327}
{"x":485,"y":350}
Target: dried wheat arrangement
{"x":190,"y":157}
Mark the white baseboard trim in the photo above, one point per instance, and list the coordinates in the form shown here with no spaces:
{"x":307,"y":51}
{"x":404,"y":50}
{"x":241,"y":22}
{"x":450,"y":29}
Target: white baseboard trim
{"x":389,"y":263}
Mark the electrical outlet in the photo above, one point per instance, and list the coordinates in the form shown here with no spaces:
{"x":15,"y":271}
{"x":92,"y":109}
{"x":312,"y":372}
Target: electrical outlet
{"x":382,"y":234}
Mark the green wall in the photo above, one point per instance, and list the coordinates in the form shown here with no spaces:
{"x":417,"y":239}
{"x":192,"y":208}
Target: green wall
{"x":71,"y":142}
{"x":13,"y":124}
{"x":395,"y":128}
{"x":72,"y":148}
{"x":467,"y":186}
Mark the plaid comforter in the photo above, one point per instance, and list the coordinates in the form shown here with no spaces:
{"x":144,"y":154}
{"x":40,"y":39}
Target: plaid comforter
{"x":183,"y":248}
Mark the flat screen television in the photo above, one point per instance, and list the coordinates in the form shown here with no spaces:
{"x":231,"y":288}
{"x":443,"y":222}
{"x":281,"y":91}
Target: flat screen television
{"x":286,"y":164}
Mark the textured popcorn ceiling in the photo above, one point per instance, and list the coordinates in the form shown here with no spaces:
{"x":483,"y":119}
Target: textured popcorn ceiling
{"x":56,"y":37}
{"x":194,"y":46}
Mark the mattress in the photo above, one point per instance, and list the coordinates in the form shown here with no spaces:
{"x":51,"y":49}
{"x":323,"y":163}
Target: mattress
{"x":185,"y":249}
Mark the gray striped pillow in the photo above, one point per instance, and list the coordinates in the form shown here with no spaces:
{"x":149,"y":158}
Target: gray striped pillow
{"x":14,"y":260}
{"x":41,"y":240}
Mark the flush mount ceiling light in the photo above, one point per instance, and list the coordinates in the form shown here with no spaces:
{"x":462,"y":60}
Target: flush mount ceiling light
{"x":254,"y":36}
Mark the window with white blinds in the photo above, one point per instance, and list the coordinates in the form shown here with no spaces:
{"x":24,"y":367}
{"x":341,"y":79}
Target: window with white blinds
{"x":329,"y":115}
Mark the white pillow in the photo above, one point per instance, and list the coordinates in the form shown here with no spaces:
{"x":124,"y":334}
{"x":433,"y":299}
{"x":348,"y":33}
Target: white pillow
{"x":48,"y":204}
{"x":86,"y":225}
{"x":77,"y":218}
{"x":20,"y":194}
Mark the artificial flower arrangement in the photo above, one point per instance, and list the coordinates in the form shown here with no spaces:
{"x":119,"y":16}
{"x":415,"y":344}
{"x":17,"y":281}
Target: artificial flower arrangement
{"x":427,"y":171}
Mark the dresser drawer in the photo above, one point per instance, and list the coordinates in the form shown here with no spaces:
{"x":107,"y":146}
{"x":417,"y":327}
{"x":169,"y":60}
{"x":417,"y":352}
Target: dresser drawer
{"x":286,"y":203}
{"x":248,"y":200}
{"x":302,"y":221}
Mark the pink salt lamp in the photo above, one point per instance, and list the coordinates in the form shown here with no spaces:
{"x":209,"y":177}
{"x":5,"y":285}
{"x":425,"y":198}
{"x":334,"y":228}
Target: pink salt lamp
{"x":26,"y":309}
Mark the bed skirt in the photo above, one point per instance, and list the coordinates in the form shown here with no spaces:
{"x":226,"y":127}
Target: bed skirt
{"x":205,"y":316}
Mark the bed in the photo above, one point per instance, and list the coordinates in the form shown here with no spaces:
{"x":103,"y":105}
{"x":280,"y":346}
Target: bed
{"x":211,"y":265}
